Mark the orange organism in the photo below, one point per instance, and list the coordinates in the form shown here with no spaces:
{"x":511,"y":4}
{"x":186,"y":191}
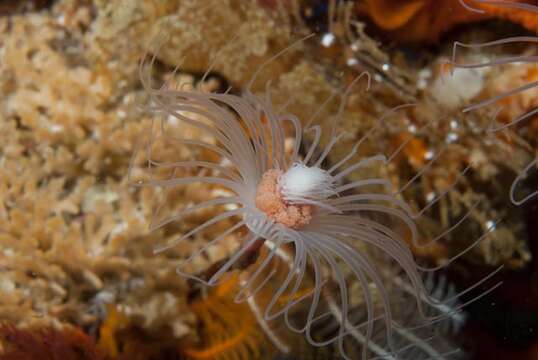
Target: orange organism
{"x":223,"y":333}
{"x":426,"y":20}
{"x":46,"y":342}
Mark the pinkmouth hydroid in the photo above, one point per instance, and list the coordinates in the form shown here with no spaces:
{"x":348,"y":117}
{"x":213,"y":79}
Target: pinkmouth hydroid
{"x":282,"y":192}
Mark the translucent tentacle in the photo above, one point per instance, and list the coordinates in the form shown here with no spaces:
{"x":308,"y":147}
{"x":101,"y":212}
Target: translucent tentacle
{"x":522,"y":175}
{"x":206,"y":224}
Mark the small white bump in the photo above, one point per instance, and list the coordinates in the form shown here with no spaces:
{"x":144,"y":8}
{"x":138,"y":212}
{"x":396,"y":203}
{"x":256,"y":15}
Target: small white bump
{"x":451,"y":137}
{"x":490,"y":225}
{"x":428,"y":155}
{"x":327,"y":39}
{"x":352,"y":62}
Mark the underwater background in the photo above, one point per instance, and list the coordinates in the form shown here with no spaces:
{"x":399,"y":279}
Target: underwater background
{"x":78,"y":275}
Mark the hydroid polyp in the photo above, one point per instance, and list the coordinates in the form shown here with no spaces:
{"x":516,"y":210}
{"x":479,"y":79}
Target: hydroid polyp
{"x":279,"y":190}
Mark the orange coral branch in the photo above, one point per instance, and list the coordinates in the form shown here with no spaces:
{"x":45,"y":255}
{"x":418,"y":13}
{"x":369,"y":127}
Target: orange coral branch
{"x":114,"y":321}
{"x":220,"y":347}
{"x":228,"y":328}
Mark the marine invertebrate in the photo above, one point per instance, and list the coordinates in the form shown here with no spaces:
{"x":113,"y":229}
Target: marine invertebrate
{"x":114,"y":321}
{"x":223,"y":334}
{"x":413,"y":343}
{"x":500,"y":99}
{"x":120,"y":338}
{"x":290,"y":201}
{"x":46,"y":342}
{"x":66,"y":216}
{"x":418,"y":21}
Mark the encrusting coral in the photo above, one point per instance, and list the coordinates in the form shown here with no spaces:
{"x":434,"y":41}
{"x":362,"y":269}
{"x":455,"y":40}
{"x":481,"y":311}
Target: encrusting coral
{"x":239,"y":30}
{"x":46,"y":343}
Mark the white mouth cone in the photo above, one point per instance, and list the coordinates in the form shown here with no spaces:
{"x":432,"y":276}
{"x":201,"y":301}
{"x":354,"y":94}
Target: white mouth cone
{"x":302,"y":183}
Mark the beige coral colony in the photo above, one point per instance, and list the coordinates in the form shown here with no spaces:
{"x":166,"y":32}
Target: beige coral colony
{"x":268,"y":179}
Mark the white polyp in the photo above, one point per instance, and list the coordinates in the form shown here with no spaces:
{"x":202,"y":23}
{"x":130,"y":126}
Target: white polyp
{"x":303,"y":182}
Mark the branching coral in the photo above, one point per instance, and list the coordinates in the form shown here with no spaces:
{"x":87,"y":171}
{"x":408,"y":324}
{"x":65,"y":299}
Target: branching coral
{"x":73,"y":236}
